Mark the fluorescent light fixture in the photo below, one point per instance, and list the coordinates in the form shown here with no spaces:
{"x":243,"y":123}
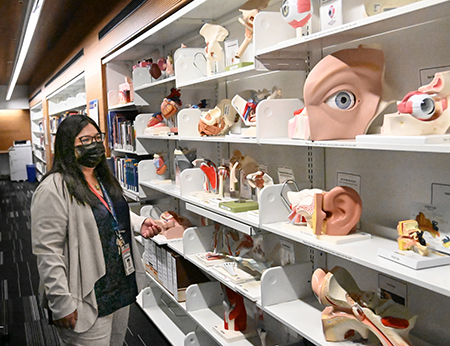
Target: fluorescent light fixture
{"x":29,"y":32}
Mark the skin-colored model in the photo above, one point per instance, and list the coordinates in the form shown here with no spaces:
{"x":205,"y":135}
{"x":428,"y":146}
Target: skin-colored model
{"x":336,"y":212}
{"x":349,"y":309}
{"x":342,"y":93}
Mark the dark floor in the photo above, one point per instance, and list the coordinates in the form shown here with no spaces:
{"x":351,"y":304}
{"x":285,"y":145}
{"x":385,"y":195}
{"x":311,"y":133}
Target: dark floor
{"x":22,"y":320}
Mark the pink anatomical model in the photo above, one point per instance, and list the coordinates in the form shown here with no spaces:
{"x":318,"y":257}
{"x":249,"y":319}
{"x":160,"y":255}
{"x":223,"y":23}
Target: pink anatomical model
{"x":335,"y":212}
{"x":422,"y":112}
{"x":343,"y":92}
{"x":296,"y":12}
{"x":349,"y":309}
{"x":173,"y":225}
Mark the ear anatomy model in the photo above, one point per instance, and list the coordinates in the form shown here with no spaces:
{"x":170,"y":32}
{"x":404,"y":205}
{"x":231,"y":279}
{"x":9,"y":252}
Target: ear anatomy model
{"x":422,"y":112}
{"x":410,"y":237}
{"x":349,"y":310}
{"x":336,"y":212}
{"x":342,"y":93}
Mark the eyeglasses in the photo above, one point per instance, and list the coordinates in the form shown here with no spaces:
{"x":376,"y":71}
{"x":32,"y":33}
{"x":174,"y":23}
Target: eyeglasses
{"x":87,"y":140}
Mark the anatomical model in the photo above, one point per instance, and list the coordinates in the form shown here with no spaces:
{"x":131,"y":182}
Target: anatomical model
{"x":336,"y":212}
{"x":422,"y":112}
{"x":411,"y":237}
{"x":343,"y":95}
{"x":211,"y":176}
{"x":349,"y":309}
{"x":173,"y":225}
{"x":169,"y":107}
{"x":258,"y":180}
{"x":296,"y":12}
{"x":217,"y":121}
{"x":213,"y":34}
{"x":160,"y":165}
{"x":235,"y":315}
{"x":240,"y":162}
{"x":249,"y":10}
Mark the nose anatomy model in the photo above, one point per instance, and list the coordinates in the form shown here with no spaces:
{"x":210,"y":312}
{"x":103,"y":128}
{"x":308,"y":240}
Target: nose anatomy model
{"x":422,"y":112}
{"x":213,"y":34}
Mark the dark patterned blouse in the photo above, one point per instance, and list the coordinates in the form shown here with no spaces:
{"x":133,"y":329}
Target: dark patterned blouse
{"x":114,"y":290}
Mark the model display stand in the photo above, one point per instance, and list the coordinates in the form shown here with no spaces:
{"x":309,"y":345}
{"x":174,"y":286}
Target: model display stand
{"x":336,"y":240}
{"x":413,"y":260}
{"x":232,"y":335}
{"x":413,"y":140}
{"x":231,"y":272}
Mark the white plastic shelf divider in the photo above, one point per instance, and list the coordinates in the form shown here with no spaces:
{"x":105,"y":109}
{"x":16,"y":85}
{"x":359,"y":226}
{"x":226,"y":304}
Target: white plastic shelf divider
{"x":181,"y":305}
{"x":177,"y":246}
{"x":204,"y":303}
{"x":160,"y":316}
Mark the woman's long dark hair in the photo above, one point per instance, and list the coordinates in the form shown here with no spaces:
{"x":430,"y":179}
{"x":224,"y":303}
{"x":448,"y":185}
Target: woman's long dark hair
{"x":65,"y":163}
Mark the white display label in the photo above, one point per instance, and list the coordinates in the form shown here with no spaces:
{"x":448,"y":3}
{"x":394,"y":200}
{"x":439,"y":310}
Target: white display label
{"x":285,"y":173}
{"x":350,"y":180}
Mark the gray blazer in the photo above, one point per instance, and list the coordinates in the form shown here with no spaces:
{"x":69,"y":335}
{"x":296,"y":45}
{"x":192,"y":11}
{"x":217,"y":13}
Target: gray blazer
{"x":66,"y":242}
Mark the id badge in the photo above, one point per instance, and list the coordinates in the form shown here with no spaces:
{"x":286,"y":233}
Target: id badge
{"x":127,"y":260}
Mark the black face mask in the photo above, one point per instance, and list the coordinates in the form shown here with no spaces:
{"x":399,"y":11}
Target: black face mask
{"x":90,"y":155}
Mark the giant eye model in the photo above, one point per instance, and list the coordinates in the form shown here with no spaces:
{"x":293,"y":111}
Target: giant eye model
{"x":343,"y":93}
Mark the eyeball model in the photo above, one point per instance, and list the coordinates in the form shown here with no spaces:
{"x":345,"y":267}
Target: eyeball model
{"x":296,"y":12}
{"x":421,"y":106}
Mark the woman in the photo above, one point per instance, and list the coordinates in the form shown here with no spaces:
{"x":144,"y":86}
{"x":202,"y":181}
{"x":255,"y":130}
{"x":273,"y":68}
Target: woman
{"x":89,"y":265}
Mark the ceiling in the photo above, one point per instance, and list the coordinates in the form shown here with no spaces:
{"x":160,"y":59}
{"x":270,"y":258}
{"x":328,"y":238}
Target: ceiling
{"x":62,"y":26}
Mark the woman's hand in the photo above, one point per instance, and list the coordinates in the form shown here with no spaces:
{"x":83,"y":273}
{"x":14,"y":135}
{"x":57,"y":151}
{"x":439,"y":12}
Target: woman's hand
{"x":150,"y":228}
{"x":67,"y":322}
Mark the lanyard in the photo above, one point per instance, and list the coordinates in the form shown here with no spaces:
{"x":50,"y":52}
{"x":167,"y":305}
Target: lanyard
{"x":106,"y":202}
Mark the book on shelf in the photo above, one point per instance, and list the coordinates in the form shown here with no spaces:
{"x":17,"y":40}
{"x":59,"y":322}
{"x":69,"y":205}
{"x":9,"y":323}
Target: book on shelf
{"x":126,"y":172}
{"x":121,"y":132}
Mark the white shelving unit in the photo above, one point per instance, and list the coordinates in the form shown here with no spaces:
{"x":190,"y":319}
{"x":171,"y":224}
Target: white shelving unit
{"x":38,"y":139}
{"x":71,"y":97}
{"x":392,"y":174}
